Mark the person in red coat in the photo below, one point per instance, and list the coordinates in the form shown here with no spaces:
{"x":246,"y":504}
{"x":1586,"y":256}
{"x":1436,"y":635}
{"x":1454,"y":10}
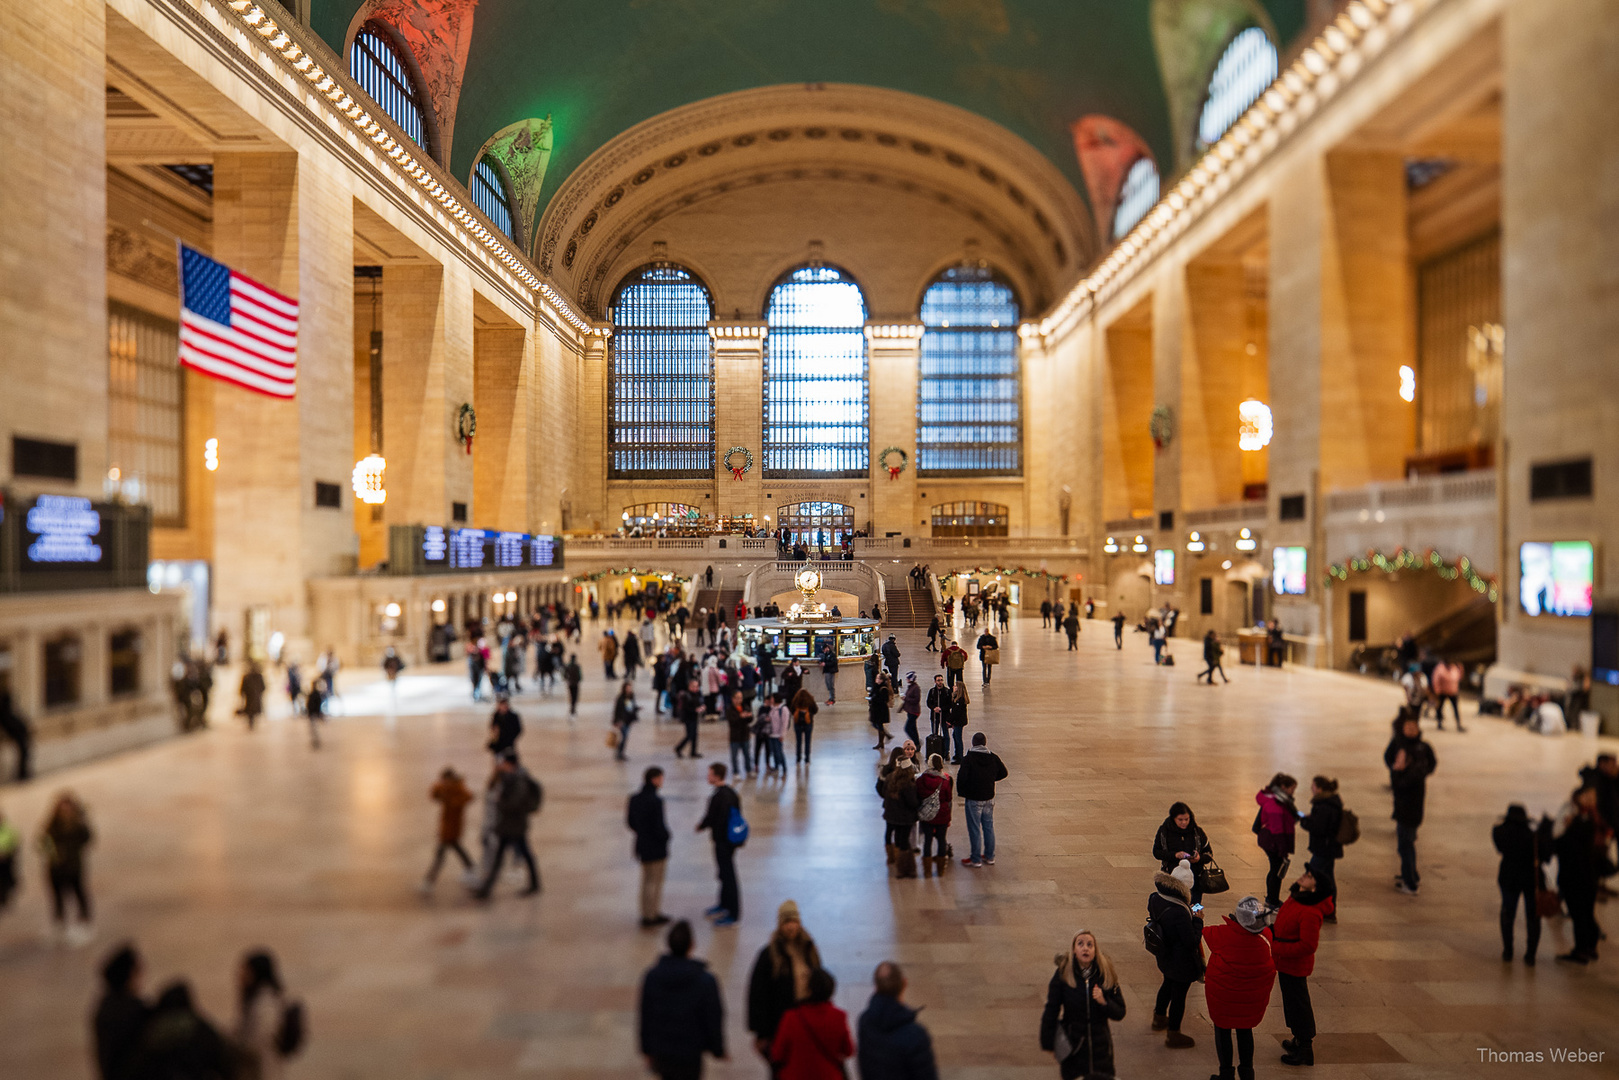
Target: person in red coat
{"x":1294,"y":938}
{"x":812,"y":1041}
{"x":1238,"y":983}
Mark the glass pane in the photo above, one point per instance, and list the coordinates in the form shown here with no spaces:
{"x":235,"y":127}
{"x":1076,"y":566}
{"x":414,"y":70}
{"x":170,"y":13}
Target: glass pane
{"x":815,"y":399}
{"x":382,"y":74}
{"x":662,"y":377}
{"x":969,"y":393}
{"x":1246,"y":69}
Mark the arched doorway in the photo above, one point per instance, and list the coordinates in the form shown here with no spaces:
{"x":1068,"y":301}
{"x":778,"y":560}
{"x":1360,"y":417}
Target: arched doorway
{"x":816,"y":524}
{"x":970,"y":519}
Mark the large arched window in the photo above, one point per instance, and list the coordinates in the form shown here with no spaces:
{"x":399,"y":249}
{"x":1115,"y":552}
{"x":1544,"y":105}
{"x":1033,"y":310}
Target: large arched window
{"x":1137,"y":195}
{"x":377,"y":65}
{"x":969,"y":395}
{"x":490,"y":192}
{"x":815,"y":401}
{"x":662,"y":376}
{"x":1246,"y":68}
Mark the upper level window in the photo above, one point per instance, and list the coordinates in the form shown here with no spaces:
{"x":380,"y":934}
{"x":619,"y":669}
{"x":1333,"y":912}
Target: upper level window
{"x":1246,"y":68}
{"x":376,"y":64}
{"x":1137,"y":195}
{"x":969,"y":394}
{"x":662,"y":376}
{"x":815,"y":401}
{"x":489,"y":192}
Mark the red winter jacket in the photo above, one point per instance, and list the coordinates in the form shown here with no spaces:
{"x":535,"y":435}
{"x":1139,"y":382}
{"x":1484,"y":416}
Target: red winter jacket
{"x":1276,"y":823}
{"x":1296,"y":933}
{"x":927,"y":784}
{"x":1240,"y":976}
{"x":812,"y":1042}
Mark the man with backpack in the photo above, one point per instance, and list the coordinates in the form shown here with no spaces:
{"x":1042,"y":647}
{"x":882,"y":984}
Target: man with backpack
{"x":1410,"y":760}
{"x":728,"y":831}
{"x":518,"y":797}
{"x":954,"y":662}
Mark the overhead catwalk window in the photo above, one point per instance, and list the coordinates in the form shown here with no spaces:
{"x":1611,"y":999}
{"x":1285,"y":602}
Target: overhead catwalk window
{"x":1137,"y":195}
{"x":969,"y":395}
{"x":376,"y":64}
{"x":970,"y":519}
{"x":1246,"y":69}
{"x":815,"y":400}
{"x":490,"y":193}
{"x":145,"y":411}
{"x":662,"y":376}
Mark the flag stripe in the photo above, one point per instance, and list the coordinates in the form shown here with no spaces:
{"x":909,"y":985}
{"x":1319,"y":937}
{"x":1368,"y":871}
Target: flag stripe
{"x":230,"y":336}
{"x":199,"y":340}
{"x":264,"y":294}
{"x":231,"y":373}
{"x":244,"y":305}
{"x":268,"y":335}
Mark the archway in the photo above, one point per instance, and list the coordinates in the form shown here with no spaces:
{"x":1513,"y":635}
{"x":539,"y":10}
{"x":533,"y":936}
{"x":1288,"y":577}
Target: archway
{"x":816,"y":524}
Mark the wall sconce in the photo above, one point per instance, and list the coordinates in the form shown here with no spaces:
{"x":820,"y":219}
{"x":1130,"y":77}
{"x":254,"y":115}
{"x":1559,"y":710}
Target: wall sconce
{"x":1195,"y":542}
{"x":438,"y":606}
{"x":1408,"y":383}
{"x":392,"y":611}
{"x":210,"y":455}
{"x":1246,"y":541}
{"x":1111,"y":547}
{"x":1140,"y":546}
{"x":367,"y":480}
{"x":1254,"y":425}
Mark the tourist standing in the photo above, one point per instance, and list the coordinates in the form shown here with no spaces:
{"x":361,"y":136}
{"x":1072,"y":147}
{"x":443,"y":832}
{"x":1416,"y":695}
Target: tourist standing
{"x":897,"y":786}
{"x":938,"y":707}
{"x":265,"y":1032}
{"x":1180,"y":837}
{"x":517,"y":797}
{"x":975,"y":782}
{"x":738,"y":726}
{"x":1070,"y":626}
{"x":682,"y":1015}
{"x":452,"y":795}
{"x":1410,"y":761}
{"x":911,"y":706}
{"x":934,"y":791}
{"x":1518,"y":878}
{"x":505,"y":727}
{"x":1238,"y":983}
{"x":958,"y":716}
{"x":1446,"y":685}
{"x":1274,"y":825}
{"x":1294,"y":938}
{"x":1179,"y":921}
{"x":717,"y":820}
{"x":120,"y":1015}
{"x":803,"y":710}
{"x":1324,"y":824}
{"x":1082,"y":997}
{"x":877,"y":706}
{"x":1581,"y":840}
{"x":252,"y":691}
{"x":954,"y":662}
{"x":608,"y":648}
{"x":1118,"y":630}
{"x":829,"y":672}
{"x":890,"y":652}
{"x":781,"y":976}
{"x":644,"y":817}
{"x":812,"y":1041}
{"x":625,"y":713}
{"x":1045,"y":614}
{"x":15,"y":728}
{"x":989,"y":653}
{"x":632,"y":656}
{"x":62,"y":842}
{"x":893,"y":1046}
{"x":572,"y":676}
{"x":781,"y":720}
{"x":688,"y":706}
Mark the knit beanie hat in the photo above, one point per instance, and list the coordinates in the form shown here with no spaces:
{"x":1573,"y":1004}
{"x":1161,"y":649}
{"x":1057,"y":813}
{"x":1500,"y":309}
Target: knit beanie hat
{"x":788,"y":912}
{"x":1183,"y":874}
{"x":1252,"y":914}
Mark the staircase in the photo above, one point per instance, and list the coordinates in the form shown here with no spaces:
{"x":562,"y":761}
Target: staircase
{"x":721,"y":599}
{"x":909,"y":609}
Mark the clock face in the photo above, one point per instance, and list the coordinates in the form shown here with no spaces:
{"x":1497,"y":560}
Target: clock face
{"x":808,"y":580}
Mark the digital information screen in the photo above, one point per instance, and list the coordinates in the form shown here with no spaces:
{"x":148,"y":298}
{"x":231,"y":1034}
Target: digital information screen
{"x":1288,"y":571}
{"x":1163,"y":566}
{"x":62,"y":531}
{"x":441,"y":549}
{"x":1556,"y":578}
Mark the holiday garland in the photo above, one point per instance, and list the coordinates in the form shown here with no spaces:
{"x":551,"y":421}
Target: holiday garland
{"x":627,"y":571}
{"x":1404,"y":559}
{"x":732,"y":452}
{"x":1013,"y":571}
{"x":893,"y":470}
{"x":466,"y":424}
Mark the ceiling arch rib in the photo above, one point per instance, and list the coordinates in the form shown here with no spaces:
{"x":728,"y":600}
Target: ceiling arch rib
{"x":986,"y":182}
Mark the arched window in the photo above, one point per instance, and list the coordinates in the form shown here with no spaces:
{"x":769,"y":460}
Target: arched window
{"x":815,"y":402}
{"x":1246,"y":68}
{"x":662,"y":376}
{"x":969,"y":394}
{"x":816,"y":524}
{"x":489,"y":192}
{"x":376,"y":64}
{"x":1137,"y":195}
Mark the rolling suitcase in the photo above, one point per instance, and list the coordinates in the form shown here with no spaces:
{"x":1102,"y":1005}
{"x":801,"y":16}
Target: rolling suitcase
{"x":936,"y":744}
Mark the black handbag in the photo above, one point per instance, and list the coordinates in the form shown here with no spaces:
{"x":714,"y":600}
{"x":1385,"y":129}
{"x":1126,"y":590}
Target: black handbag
{"x":1210,"y":878}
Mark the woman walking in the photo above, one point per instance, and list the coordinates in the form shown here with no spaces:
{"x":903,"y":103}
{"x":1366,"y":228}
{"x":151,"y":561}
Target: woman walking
{"x":934,"y":790}
{"x":1180,"y":957}
{"x":1295,"y":937}
{"x":1081,"y":998}
{"x":1323,"y":824}
{"x":781,"y":976}
{"x":1180,"y":837}
{"x":897,"y":786}
{"x":1212,"y":652}
{"x":1274,"y":826}
{"x":62,"y":842}
{"x":625,"y":713}
{"x":877,"y":706}
{"x":1238,"y":983}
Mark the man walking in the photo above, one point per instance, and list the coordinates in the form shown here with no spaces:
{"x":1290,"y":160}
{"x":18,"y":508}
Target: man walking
{"x":645,"y":818}
{"x":688,"y":710}
{"x":1070,"y":626}
{"x":682,"y":1016}
{"x":975,"y":782}
{"x":954,"y":661}
{"x":572,"y":677}
{"x":717,"y":820}
{"x":829,"y":672}
{"x":505,"y":727}
{"x":1118,"y":630}
{"x":518,"y":798}
{"x":1409,"y":760}
{"x":891,"y":659}
{"x":893,"y":1046}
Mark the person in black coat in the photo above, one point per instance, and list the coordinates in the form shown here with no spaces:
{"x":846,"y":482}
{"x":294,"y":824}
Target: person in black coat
{"x":15,"y":728}
{"x":1180,"y":960}
{"x":120,"y":1015}
{"x":178,"y":1042}
{"x":1321,"y":824}
{"x":717,"y":820}
{"x":645,"y":818}
{"x":1410,"y":760}
{"x":780,"y":976}
{"x":1582,"y":842}
{"x":1081,"y":998}
{"x":682,"y":1015}
{"x":1180,"y":837}
{"x":505,"y":726}
{"x":1519,"y":876}
{"x":893,"y":1046}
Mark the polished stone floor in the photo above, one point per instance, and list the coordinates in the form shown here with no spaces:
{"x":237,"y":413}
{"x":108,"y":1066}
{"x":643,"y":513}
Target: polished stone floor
{"x":215,"y":843}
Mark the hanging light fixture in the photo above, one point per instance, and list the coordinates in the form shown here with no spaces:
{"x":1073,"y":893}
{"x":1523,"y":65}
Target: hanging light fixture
{"x":1255,"y":426}
{"x":368,"y":480}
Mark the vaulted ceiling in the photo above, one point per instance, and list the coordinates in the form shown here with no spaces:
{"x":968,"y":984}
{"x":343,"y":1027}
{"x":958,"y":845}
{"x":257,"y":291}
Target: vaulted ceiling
{"x":595,"y":69}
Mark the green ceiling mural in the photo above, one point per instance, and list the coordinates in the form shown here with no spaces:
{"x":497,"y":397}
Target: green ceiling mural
{"x":599,"y":67}
{"x":523,"y":150}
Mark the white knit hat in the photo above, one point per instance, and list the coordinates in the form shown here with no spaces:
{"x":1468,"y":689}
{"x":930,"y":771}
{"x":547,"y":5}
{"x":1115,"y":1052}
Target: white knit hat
{"x":1183,"y":874}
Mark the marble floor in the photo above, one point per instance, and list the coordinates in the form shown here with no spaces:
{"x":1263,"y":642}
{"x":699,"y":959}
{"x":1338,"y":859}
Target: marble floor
{"x":211,"y":844}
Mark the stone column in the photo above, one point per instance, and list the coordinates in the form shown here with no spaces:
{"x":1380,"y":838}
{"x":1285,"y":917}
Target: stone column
{"x":53,"y":200}
{"x":1216,"y":334}
{"x":587,"y":487}
{"x":895,"y":354}
{"x":426,"y":377}
{"x":1560,"y":285}
{"x":502,"y":394}
{"x":1127,"y":400}
{"x":289,"y":224}
{"x":739,"y":416}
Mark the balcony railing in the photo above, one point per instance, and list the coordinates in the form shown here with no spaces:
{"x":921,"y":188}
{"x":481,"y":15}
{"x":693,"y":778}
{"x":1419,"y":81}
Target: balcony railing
{"x":1428,"y":491}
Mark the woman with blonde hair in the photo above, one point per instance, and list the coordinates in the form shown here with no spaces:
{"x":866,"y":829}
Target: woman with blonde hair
{"x":1083,"y":996}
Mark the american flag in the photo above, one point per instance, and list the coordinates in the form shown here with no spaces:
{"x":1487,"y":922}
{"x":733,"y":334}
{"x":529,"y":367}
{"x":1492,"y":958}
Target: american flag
{"x":235,"y":329}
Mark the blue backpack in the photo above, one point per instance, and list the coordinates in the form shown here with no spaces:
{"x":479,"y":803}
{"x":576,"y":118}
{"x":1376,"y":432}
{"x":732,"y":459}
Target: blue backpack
{"x":736,"y":829}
